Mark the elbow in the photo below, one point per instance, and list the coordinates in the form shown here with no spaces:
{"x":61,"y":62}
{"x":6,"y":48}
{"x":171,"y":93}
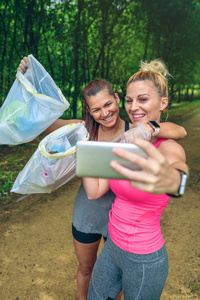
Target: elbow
{"x":184,"y":132}
{"x":92,"y":196}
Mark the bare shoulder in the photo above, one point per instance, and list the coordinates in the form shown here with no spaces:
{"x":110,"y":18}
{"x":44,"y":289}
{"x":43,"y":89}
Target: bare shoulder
{"x":170,"y":148}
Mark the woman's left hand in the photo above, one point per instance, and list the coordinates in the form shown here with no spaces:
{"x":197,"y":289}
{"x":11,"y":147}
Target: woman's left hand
{"x":132,"y":134}
{"x":158,"y":172}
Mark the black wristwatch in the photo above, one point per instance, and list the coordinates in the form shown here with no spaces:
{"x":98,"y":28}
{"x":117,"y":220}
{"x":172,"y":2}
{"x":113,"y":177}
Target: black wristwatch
{"x":155,"y":127}
{"x":182,"y":186}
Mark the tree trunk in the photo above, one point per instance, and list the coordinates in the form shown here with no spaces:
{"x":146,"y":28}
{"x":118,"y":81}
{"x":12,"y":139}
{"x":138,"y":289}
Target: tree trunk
{"x":77,"y":35}
{"x":179,"y":96}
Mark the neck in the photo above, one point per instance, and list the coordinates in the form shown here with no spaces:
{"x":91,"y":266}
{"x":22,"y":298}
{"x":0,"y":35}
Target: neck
{"x":110,"y":133}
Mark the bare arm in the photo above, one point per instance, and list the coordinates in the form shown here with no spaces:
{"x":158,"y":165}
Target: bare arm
{"x":158,"y":174}
{"x":95,"y":187}
{"x":144,"y":131}
{"x":60,"y":122}
{"x":168,"y":130}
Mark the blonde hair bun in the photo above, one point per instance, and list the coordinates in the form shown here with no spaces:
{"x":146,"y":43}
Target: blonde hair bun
{"x":156,"y":66}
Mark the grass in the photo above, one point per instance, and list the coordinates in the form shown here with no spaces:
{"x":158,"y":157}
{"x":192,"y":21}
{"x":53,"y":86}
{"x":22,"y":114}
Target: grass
{"x":14,"y":158}
{"x":181,"y":111}
{"x":195,"y":288}
{"x":12,"y":161}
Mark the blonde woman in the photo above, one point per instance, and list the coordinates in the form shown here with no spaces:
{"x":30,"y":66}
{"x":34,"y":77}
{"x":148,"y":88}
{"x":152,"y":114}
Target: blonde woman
{"x":134,"y":257}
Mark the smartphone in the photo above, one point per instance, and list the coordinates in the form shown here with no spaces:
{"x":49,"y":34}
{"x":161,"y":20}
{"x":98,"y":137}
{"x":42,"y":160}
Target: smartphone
{"x":93,"y":159}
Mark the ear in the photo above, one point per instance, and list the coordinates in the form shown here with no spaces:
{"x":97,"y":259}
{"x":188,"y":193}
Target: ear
{"x":164,"y":103}
{"x":117,"y":98}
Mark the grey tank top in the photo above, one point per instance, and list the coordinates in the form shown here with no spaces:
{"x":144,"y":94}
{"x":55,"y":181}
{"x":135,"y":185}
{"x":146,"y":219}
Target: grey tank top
{"x":92,"y":216}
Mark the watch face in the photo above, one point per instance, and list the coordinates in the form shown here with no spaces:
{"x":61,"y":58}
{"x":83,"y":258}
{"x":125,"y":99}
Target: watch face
{"x":183,"y":182}
{"x":154,"y":124}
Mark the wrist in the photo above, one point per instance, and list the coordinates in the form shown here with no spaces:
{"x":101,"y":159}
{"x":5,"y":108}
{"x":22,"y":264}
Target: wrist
{"x":155,"y":126}
{"x":147,"y":127}
{"x":180,"y":184}
{"x":145,"y":133}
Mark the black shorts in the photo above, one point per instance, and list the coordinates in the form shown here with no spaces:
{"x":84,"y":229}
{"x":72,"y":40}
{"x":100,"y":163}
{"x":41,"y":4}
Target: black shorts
{"x":86,"y":238}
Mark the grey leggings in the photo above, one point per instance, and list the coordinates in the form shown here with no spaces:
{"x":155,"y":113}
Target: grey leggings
{"x":140,"y":276}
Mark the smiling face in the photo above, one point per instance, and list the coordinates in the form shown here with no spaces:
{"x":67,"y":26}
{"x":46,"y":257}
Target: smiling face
{"x":143,"y":103}
{"x":104,"y":108}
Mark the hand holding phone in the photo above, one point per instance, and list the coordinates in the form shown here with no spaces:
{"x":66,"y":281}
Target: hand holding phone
{"x":93,"y":159}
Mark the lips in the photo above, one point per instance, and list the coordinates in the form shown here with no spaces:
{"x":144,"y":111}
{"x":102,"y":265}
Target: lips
{"x":108,"y":118}
{"x":138,"y":116}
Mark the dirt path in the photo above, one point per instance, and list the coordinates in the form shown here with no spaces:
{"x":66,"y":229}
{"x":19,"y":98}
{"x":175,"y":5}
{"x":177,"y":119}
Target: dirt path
{"x":37,"y":258}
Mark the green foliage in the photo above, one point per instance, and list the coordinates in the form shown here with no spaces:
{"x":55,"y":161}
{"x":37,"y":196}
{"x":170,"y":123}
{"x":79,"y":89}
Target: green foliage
{"x":12,"y":161}
{"x":181,"y":111}
{"x":77,"y":41}
{"x":195,"y":288}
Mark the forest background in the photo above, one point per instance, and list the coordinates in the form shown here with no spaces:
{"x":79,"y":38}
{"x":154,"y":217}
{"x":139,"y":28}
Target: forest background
{"x":79,"y":40}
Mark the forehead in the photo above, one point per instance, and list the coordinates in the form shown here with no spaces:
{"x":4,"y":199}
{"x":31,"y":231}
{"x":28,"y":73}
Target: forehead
{"x":99,"y":99}
{"x":141,"y":87}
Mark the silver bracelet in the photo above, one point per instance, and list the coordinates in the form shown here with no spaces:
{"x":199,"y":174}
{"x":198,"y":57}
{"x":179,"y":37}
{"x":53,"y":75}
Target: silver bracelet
{"x":145,"y":133}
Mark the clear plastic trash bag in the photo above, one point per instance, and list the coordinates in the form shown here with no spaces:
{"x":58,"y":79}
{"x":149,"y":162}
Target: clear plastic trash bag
{"x":33,"y":103}
{"x":53,"y":163}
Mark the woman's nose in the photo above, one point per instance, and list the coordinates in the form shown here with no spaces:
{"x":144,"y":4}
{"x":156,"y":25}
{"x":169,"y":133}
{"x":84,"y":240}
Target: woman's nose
{"x":104,"y":112}
{"x":134,"y":105}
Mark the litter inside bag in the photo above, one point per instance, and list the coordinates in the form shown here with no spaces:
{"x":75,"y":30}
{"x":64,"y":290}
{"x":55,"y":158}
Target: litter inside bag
{"x":33,"y":103}
{"x":62,"y":144}
{"x":53,"y":163}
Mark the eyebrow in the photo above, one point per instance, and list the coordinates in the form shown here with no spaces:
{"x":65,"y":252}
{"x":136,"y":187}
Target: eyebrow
{"x":94,"y":108}
{"x":98,"y":107}
{"x":138,"y":95}
{"x":143,"y":95}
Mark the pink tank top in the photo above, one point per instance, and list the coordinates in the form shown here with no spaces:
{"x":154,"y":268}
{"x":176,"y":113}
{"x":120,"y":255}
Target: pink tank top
{"x":134,"y":224}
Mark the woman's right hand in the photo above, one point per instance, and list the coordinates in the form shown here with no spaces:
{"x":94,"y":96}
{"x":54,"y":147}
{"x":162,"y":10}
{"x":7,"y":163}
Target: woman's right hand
{"x":23,"y":66}
{"x":158,"y":172}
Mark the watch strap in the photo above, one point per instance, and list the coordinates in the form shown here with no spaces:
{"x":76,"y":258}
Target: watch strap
{"x":155,"y":127}
{"x":182,"y":186}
